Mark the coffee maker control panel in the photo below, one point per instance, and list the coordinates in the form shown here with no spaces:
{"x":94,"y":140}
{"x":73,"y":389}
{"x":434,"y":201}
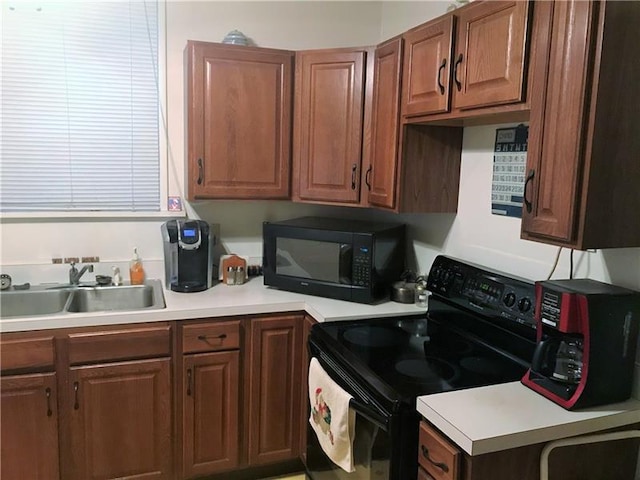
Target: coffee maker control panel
{"x":479,"y":289}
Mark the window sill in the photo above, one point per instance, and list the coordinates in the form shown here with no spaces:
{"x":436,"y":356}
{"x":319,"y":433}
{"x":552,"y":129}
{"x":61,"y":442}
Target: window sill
{"x":17,"y":217}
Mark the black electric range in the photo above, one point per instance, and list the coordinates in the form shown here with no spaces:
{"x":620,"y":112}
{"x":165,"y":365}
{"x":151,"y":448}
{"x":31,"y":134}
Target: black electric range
{"x":479,"y":330}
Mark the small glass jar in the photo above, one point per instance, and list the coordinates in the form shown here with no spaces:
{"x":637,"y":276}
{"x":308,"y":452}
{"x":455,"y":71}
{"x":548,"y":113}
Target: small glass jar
{"x":421,"y":295}
{"x":239,"y":275}
{"x":231,"y":275}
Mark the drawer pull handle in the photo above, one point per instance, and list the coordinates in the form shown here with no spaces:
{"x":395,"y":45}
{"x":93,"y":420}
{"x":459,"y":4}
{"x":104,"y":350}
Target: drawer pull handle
{"x":442,"y":466}
{"x":206,"y":338}
{"x":76,"y":404}
{"x":48,"y":394}
{"x":189,"y":382}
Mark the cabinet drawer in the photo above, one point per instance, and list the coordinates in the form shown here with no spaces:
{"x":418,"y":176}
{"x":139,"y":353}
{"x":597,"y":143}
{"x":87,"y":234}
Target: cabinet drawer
{"x":437,"y":456}
{"x":119,"y":344}
{"x":211,"y":336}
{"x":18,"y":351}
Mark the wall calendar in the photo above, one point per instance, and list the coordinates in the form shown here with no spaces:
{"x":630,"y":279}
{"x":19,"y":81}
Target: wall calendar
{"x":509,"y":166}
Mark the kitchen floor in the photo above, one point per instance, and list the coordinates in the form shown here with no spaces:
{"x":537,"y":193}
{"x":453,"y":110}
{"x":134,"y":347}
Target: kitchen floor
{"x":300,"y":476}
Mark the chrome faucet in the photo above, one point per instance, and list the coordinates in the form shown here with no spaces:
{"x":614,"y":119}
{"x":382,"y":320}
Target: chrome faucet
{"x":75,"y":274}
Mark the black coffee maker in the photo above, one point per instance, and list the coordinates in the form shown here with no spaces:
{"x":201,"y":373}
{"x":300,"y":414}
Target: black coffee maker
{"x":188,"y":255}
{"x":587,"y":338}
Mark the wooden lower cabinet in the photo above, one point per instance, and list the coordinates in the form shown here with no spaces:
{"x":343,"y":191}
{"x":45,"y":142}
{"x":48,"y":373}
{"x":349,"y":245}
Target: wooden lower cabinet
{"x":120,"y":416}
{"x":29,"y":424}
{"x":211,"y":413}
{"x":273,"y":372}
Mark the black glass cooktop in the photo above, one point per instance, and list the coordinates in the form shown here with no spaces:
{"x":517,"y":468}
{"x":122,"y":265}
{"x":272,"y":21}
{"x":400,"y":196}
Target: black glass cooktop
{"x":419,"y":356}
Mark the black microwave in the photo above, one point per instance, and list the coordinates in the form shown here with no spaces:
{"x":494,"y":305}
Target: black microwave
{"x":333,"y":257}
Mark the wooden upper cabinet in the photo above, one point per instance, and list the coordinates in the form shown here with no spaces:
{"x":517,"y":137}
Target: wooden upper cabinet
{"x":382,"y":175}
{"x":583,"y":166}
{"x":238,"y":121}
{"x":490,"y":54}
{"x":470,"y":62}
{"x":427,"y":67}
{"x":328,"y":125}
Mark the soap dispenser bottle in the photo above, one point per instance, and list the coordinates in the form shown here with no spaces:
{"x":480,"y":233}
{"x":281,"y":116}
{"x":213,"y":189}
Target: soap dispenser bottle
{"x":136,"y":270}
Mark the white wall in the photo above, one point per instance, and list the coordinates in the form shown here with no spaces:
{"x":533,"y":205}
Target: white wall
{"x":473,"y":233}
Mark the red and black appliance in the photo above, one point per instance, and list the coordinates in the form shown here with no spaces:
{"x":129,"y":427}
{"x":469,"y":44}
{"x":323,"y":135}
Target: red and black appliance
{"x":586,"y":342}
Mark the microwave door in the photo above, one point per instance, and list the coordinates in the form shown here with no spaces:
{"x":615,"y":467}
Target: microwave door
{"x":345,"y":264}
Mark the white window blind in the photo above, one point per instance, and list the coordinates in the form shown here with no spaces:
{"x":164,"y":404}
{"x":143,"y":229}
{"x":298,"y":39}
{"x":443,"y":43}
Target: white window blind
{"x":80,"y":103}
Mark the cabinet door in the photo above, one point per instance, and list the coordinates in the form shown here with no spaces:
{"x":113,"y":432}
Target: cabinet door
{"x":274,"y":364}
{"x":384,"y":133}
{"x":120,"y":418}
{"x":210,"y":423}
{"x":238,"y":121}
{"x":29,"y":424}
{"x":491,"y":45}
{"x":556,"y":135}
{"x":328,"y":124}
{"x":427,"y":67}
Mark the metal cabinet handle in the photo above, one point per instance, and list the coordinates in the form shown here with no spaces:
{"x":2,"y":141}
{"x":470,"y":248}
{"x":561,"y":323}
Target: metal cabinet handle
{"x":189,"y":379}
{"x":200,"y":172}
{"x":76,"y":404}
{"x":354,"y":169}
{"x":529,"y":179}
{"x":455,"y":73}
{"x":442,"y":466}
{"x":367,"y":177}
{"x":47,"y":392}
{"x":440,"y":84}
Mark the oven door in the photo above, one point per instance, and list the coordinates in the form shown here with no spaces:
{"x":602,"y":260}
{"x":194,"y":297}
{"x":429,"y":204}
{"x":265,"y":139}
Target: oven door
{"x":385,"y":442}
{"x":371,"y":452}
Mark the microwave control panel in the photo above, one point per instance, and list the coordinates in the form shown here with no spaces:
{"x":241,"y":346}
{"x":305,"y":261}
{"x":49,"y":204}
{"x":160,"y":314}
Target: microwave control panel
{"x":361,"y":275}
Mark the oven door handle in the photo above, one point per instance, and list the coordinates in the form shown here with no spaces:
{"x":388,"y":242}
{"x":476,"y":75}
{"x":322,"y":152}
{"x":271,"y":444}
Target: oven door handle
{"x":370,"y":414}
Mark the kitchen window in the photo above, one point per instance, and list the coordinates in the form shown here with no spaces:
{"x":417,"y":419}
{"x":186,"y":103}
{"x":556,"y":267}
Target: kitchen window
{"x":81,"y":100}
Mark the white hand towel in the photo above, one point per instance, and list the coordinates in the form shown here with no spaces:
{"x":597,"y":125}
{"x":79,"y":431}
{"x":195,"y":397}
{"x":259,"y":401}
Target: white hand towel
{"x":331,"y":418}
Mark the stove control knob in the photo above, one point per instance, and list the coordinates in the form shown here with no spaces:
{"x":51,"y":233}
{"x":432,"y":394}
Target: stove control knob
{"x":509,"y":299}
{"x":524,"y":305}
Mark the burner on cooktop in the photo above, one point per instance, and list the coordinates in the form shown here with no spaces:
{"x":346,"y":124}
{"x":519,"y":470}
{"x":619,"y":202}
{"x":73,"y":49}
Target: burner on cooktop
{"x":374,"y":337}
{"x":426,"y":370}
{"x":483,"y":366}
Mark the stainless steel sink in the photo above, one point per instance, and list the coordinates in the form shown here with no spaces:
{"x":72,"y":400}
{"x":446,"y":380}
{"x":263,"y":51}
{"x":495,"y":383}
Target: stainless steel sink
{"x":64,"y":299}
{"x":20,"y":303}
{"x":130,"y":297}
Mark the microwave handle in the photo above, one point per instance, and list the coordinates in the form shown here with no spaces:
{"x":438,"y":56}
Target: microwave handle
{"x":345,"y":264}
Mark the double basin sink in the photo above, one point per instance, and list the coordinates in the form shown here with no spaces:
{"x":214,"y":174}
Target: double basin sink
{"x":63,"y":299}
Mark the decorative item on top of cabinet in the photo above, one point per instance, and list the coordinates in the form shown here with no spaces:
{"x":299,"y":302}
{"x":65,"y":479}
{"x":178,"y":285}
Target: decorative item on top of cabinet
{"x":238,"y":113}
{"x":210,"y":397}
{"x":473,"y":58}
{"x":583,"y":159}
{"x":330,"y":118}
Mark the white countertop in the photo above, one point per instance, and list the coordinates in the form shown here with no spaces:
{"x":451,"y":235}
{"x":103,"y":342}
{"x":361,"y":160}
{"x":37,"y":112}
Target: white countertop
{"x":219,"y":301}
{"x":499,"y":417}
